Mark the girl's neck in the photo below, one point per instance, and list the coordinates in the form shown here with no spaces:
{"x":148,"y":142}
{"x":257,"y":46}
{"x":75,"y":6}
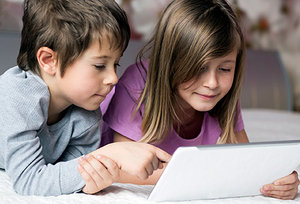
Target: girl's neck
{"x":190,"y":123}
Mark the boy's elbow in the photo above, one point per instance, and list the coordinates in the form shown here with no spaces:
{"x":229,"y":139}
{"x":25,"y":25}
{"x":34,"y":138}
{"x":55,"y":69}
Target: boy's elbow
{"x":27,"y":189}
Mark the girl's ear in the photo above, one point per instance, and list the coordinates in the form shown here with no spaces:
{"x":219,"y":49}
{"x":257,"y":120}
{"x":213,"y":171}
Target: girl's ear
{"x":47,"y":60}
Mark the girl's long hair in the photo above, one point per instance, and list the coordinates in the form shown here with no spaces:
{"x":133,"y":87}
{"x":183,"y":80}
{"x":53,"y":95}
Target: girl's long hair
{"x":188,"y":35}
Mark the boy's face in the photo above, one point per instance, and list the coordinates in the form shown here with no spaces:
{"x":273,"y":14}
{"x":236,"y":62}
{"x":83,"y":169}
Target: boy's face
{"x":90,"y":78}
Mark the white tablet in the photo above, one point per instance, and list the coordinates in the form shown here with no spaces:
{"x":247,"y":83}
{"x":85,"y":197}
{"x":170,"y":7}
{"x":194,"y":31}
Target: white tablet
{"x":220,"y":171}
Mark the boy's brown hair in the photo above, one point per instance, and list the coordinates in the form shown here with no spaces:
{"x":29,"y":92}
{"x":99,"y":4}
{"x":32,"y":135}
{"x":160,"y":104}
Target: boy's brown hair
{"x":68,"y":27}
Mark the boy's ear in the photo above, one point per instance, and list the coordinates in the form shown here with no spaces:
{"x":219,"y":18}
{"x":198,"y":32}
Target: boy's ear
{"x":47,"y":60}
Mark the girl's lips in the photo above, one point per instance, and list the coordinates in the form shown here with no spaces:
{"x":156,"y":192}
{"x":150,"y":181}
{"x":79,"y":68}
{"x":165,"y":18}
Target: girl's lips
{"x":207,"y":97}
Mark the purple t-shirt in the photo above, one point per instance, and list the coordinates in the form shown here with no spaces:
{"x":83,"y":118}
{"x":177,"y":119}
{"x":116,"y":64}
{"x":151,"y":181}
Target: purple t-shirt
{"x":118,"y":116}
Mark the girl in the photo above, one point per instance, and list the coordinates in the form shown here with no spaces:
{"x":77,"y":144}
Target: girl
{"x":187,"y":92}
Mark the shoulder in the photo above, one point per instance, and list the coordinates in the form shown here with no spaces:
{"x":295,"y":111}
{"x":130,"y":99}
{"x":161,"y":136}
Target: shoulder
{"x":135,"y":75}
{"x":19,"y":82}
{"x":24,"y":101}
{"x":23,"y":92}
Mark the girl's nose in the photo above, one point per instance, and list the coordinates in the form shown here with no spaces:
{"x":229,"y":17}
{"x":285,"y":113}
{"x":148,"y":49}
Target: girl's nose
{"x":211,"y":80}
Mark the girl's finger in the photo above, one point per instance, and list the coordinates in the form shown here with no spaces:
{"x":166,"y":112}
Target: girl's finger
{"x":291,"y":178}
{"x":155,"y":163}
{"x":282,"y":194}
{"x":272,"y":187}
{"x":149,"y":169}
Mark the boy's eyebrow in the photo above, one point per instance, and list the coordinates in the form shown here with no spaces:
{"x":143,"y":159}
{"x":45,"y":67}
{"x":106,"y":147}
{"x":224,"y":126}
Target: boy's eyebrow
{"x":101,"y":57}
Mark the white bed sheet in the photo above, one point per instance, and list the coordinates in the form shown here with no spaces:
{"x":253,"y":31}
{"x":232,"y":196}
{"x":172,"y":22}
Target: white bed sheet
{"x":260,"y":125}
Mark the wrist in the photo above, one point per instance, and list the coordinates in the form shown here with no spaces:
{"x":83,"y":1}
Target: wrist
{"x":109,"y":151}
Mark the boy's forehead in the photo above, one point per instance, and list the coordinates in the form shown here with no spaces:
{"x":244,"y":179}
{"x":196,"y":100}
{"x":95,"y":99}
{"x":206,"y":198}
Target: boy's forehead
{"x":103,"y":48}
{"x":107,"y":41}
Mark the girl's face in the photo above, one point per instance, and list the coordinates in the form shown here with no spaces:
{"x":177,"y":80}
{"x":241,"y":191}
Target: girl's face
{"x":90,"y":78}
{"x":212,"y":85}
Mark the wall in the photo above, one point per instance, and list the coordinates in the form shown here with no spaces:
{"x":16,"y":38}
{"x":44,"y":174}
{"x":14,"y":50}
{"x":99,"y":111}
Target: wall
{"x":10,"y":44}
{"x":9,"y":48}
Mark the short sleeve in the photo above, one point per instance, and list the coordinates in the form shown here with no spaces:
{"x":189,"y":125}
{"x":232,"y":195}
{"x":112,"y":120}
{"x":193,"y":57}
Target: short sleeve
{"x":239,"y":123}
{"x":119,"y":114}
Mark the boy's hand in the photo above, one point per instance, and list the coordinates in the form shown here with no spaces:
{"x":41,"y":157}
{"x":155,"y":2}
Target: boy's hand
{"x":284,"y":188}
{"x":139,"y":159}
{"x":97,"y":173}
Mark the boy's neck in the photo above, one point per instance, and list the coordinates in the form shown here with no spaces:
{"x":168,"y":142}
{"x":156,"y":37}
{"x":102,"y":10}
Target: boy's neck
{"x":57,"y":106}
{"x":55,"y":111}
{"x":52,"y":119}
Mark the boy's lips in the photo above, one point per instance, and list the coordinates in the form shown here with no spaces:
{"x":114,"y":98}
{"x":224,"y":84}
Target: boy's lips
{"x":102,"y":95}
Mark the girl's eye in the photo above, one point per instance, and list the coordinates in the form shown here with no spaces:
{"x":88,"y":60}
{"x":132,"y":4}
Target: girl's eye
{"x":225,"y":69}
{"x":99,"y":66}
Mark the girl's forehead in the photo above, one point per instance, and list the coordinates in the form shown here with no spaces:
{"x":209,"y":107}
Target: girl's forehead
{"x":229,"y":56}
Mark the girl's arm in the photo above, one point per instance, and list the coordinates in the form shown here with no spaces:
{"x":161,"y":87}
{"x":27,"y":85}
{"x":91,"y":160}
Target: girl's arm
{"x":127,"y":178}
{"x":242,"y":137}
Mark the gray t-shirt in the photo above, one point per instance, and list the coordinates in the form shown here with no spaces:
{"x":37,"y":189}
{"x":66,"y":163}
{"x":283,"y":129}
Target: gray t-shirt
{"x":42,"y":159}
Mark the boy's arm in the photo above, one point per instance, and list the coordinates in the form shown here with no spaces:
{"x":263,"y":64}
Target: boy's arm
{"x":33,"y":167}
{"x":29,"y":170}
{"x":31,"y":175}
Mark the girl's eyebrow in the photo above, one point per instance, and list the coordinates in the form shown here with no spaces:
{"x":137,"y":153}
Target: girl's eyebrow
{"x":228,"y":61}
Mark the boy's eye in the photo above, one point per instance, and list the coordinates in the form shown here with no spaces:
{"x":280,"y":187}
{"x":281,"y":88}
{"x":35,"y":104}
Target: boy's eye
{"x":104,"y":66}
{"x":116,"y":65}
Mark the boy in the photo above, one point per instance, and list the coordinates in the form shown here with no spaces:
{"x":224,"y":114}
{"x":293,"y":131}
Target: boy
{"x":49,"y":109}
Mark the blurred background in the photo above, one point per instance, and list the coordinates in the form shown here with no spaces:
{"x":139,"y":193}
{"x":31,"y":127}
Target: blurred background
{"x":271,"y":29}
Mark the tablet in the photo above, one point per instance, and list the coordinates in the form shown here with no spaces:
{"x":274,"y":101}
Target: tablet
{"x":221,"y":171}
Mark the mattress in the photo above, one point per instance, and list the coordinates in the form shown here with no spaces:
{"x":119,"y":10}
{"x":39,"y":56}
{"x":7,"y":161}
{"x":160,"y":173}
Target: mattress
{"x":260,"y":125}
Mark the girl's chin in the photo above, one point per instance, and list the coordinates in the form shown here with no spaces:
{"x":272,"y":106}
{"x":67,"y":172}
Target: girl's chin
{"x":203,"y":108}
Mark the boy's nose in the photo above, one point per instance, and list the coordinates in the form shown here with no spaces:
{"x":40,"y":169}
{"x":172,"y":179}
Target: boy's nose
{"x":111,"y":78}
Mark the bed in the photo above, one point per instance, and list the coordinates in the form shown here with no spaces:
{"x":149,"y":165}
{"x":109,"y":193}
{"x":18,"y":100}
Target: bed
{"x":260,"y":124}
{"x":267,"y":111}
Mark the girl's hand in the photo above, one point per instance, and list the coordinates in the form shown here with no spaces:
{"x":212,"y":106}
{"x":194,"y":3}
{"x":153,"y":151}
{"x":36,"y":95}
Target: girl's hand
{"x":97,"y":173}
{"x":285,"y":188}
{"x":134,"y":158}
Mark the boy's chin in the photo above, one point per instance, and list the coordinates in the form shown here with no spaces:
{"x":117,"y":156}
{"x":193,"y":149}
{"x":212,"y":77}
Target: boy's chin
{"x":91,"y":107}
